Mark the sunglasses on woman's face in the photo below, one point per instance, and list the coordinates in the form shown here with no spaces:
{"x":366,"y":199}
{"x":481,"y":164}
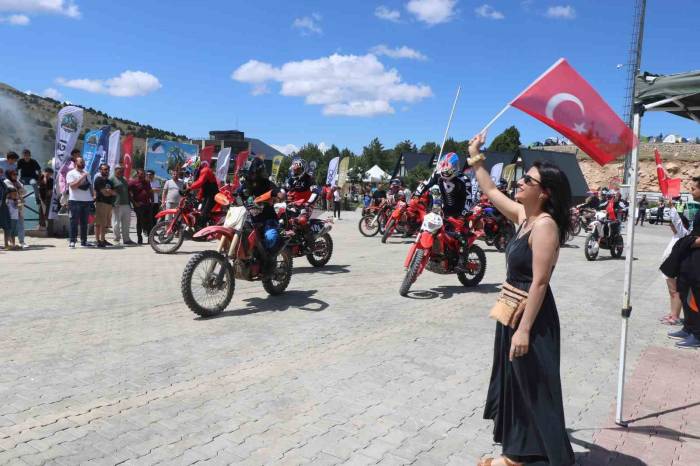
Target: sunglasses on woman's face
{"x":529,"y":180}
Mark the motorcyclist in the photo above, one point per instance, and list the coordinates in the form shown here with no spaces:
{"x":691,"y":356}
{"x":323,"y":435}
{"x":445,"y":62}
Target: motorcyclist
{"x":208,"y":185}
{"x":300,"y":187}
{"x":456,"y":193}
{"x":378,"y":196}
{"x":613,"y":208}
{"x":255,"y":182}
{"x":394,"y":190}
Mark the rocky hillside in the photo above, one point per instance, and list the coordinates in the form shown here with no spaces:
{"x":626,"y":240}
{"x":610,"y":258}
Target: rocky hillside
{"x":686,"y":156}
{"x":29,"y":121}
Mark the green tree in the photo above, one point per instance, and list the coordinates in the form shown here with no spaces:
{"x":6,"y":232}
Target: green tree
{"x":507,"y":141}
{"x":430,"y":148}
{"x":414,"y":177}
{"x":373,"y":154}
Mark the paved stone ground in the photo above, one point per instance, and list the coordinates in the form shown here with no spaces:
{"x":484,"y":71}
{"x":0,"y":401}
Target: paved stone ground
{"x":102,"y":363}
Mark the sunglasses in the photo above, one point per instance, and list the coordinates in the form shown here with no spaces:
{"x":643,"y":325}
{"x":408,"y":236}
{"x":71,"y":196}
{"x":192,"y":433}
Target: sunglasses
{"x":530,"y":180}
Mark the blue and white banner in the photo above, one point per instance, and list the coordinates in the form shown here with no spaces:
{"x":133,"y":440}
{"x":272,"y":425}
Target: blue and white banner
{"x":92,"y":138}
{"x":70,"y":122}
{"x":332,"y":170}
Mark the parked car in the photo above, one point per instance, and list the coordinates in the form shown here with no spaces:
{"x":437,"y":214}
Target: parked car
{"x":652,"y":215}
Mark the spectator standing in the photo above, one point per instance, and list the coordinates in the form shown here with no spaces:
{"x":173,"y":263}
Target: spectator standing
{"x":156,"y":188}
{"x":660,"y":211}
{"x":679,"y":228}
{"x":104,"y":200}
{"x":29,"y":169}
{"x":9,"y":162}
{"x":171,"y":191}
{"x":16,"y":207}
{"x":121,"y":212}
{"x":324,"y":193}
{"x":4,"y":210}
{"x":12,"y":200}
{"x":141,"y":198}
{"x":329,"y":197}
{"x":643,"y":204}
{"x":80,"y":200}
{"x":45,"y":193}
{"x":336,"y":202}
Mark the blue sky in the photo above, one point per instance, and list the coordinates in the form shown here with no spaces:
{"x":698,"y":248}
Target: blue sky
{"x":308,"y":75}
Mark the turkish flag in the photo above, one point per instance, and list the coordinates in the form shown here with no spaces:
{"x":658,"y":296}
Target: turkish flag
{"x":127,"y":150}
{"x":206,"y":154}
{"x":240,"y":161}
{"x":562,"y":99}
{"x":669,"y":187}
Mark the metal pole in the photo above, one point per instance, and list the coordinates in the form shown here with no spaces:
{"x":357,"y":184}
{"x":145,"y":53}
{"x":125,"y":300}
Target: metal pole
{"x":449,"y":122}
{"x":633,"y":61}
{"x":629,"y":259}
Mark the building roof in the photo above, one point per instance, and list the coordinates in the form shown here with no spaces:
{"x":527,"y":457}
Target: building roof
{"x":411,"y":160}
{"x":565,"y":161}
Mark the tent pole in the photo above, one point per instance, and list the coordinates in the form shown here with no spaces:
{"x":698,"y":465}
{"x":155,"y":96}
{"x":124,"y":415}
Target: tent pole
{"x":449,"y":122}
{"x":629,"y":259}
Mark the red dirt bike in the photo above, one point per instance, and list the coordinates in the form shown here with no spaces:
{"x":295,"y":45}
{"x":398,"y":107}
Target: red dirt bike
{"x":498,"y":230}
{"x":167,"y":235}
{"x":375,"y":218}
{"x":208,"y":280}
{"x":438,"y":251}
{"x":318,"y":245}
{"x":405,"y":218}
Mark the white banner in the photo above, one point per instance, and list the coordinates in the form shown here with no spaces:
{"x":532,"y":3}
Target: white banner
{"x":496,"y":172}
{"x":222,"y":162}
{"x":113,"y":152}
{"x":332,"y":170}
{"x":69,"y":124}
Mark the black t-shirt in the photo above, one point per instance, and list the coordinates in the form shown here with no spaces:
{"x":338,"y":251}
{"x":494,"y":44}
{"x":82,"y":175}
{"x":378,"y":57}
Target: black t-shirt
{"x":379,"y":194}
{"x":29,"y":169}
{"x":100,"y":184}
{"x":696,"y":225}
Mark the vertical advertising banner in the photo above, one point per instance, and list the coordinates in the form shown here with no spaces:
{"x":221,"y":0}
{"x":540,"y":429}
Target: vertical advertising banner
{"x":92,"y":138}
{"x":128,"y":150}
{"x":276,"y":163}
{"x":343,"y":171}
{"x":332,"y":170}
{"x":163,"y":156}
{"x":113,"y":152}
{"x":101,"y":153}
{"x":69,"y":124}
{"x":223,"y":160}
{"x":241,"y":159}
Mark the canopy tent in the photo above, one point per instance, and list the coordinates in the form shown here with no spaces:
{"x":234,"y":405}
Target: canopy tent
{"x":409,"y":160}
{"x":678,"y":94}
{"x":375,"y":175}
{"x":567,"y":162}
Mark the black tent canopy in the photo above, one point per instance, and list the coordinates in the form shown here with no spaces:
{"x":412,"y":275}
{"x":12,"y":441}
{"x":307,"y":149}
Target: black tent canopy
{"x":674,"y":93}
{"x":567,"y":162}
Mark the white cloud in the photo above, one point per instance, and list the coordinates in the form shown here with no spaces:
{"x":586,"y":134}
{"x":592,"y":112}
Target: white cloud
{"x":308,"y":24}
{"x":52,"y":93}
{"x":62,"y":7}
{"x":260,"y":89}
{"x":286,"y":149}
{"x":127,"y":84}
{"x":15,"y":20}
{"x":398,"y":52}
{"x":487,"y":11}
{"x":432,"y":11}
{"x":347,"y":85}
{"x":385,"y":13}
{"x":561,"y":12}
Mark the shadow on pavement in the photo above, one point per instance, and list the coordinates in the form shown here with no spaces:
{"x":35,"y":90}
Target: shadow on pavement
{"x":294,"y":299}
{"x":571,"y":246}
{"x":596,"y":455}
{"x":668,"y":411}
{"x":448,"y":291}
{"x":332,"y":269}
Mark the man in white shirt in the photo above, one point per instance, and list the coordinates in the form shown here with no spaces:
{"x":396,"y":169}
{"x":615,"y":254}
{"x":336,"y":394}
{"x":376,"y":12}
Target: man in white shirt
{"x":171,"y":191}
{"x":156,"y":188}
{"x":80,"y":201}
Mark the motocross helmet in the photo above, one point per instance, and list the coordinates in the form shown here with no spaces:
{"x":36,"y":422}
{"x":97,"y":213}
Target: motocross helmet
{"x":254,"y":169}
{"x":448,"y":166}
{"x":297,"y":168}
{"x":395,"y":183}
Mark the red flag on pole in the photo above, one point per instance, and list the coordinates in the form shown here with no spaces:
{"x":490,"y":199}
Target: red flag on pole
{"x":240,"y":161}
{"x":127,"y":150}
{"x":669,"y":187}
{"x":206,"y":154}
{"x":562,"y":99}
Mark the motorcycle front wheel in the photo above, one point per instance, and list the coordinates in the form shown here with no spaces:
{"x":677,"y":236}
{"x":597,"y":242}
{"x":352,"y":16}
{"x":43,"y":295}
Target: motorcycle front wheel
{"x":164,"y":243}
{"x":208,"y":283}
{"x":366,"y":227}
{"x":576,"y":228}
{"x":279,"y":278}
{"x":412,"y":272}
{"x":590,"y":247}
{"x":476,"y":258}
{"x":501,"y":241}
{"x":388,"y":230}
{"x":618,"y":247}
{"x":321,"y":251}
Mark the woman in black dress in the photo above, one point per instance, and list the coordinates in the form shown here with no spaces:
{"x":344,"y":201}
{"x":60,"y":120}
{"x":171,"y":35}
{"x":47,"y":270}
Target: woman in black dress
{"x":524,"y":398}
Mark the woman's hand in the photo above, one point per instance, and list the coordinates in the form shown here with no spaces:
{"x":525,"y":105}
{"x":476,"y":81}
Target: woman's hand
{"x":519,"y":344}
{"x":475,"y":144}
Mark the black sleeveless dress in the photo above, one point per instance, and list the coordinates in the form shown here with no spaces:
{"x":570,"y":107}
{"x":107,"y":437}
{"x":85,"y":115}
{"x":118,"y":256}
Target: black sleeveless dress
{"x":524,"y":398}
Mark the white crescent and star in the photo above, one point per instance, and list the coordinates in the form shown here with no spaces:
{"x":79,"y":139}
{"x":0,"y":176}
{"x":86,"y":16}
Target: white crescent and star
{"x":560,"y":98}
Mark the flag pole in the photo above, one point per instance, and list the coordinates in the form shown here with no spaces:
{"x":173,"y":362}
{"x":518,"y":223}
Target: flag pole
{"x":493,"y":120}
{"x":629,"y":259}
{"x":449,"y":122}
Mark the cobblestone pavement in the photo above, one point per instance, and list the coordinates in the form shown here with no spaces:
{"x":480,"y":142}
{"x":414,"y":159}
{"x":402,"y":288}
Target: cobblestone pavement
{"x":102,"y":363}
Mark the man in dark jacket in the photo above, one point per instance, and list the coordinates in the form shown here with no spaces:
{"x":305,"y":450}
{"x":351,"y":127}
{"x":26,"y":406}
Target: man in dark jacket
{"x":688,"y":281}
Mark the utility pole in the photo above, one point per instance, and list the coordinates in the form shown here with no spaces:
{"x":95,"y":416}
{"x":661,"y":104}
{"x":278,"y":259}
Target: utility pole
{"x":633,"y":63}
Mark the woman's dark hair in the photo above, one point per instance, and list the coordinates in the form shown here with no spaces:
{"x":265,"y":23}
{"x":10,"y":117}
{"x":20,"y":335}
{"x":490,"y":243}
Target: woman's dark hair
{"x":556,"y":184}
{"x":12,"y":155}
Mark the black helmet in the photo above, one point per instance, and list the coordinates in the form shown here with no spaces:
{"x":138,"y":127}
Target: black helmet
{"x":254,"y":169}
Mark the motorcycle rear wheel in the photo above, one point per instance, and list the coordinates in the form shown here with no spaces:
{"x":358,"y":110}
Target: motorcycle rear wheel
{"x":475,"y":254}
{"x":588,"y":247}
{"x":278,"y":281}
{"x":388,"y":230}
{"x":576,"y":228}
{"x":322,"y":250}
{"x":206,"y":289}
{"x":163,"y":243}
{"x":365,"y":225}
{"x":501,"y":241}
{"x":411,"y":273}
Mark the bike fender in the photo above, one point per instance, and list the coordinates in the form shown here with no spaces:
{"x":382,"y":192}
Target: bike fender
{"x":426,"y":240}
{"x":411,"y":252}
{"x":215,"y":230}
{"x":165,"y":212}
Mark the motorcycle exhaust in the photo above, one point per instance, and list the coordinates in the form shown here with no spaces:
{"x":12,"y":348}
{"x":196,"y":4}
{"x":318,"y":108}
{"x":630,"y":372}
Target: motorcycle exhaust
{"x":325,"y":230}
